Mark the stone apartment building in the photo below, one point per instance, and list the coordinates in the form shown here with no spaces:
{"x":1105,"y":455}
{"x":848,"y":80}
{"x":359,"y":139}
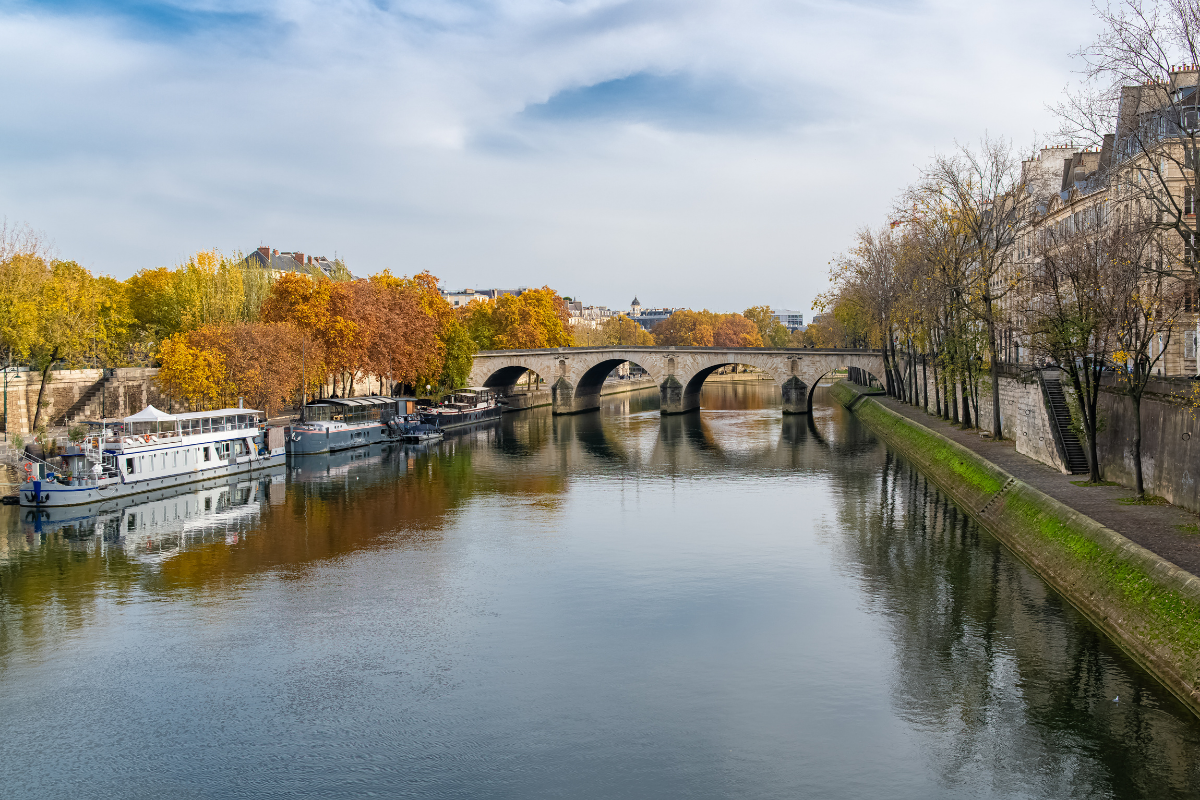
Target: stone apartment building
{"x":1142,"y":170}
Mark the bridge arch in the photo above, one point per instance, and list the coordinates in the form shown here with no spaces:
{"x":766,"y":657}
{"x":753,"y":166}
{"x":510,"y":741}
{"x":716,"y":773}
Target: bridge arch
{"x":576,"y":374}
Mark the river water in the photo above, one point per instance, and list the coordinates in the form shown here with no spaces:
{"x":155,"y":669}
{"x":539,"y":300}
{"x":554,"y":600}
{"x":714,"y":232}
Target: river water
{"x":724,"y":604}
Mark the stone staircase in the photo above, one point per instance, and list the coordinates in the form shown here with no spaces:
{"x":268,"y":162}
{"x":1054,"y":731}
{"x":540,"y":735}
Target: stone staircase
{"x":88,"y":404}
{"x":1060,"y":418}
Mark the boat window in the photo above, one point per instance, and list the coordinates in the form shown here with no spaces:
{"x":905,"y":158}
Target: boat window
{"x":207,"y":455}
{"x":129,"y":466}
{"x":175,"y":459}
{"x":132,"y":522}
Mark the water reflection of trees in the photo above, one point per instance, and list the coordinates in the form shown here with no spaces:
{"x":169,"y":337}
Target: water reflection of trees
{"x":1013,"y":681}
{"x":332,"y":507}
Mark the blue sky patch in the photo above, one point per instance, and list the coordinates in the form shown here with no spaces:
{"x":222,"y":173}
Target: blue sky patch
{"x":676,"y":101}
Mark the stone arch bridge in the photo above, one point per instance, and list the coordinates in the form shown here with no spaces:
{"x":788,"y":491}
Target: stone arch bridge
{"x":576,"y":374}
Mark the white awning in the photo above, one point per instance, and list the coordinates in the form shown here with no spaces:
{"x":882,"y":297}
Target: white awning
{"x":150,"y":414}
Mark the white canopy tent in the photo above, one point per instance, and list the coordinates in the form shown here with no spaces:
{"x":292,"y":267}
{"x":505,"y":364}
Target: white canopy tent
{"x":150,"y":420}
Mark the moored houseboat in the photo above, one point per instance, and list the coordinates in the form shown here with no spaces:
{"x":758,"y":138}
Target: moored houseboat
{"x":341,"y":423}
{"x":152,"y":450}
{"x":463,"y":407}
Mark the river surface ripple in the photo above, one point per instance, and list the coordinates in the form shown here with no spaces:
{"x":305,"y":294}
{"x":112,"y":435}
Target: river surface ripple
{"x":724,"y":604}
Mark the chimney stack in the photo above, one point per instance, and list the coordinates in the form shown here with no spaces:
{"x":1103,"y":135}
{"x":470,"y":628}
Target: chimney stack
{"x":274,"y":252}
{"x":266,"y":252}
{"x":299,"y":258}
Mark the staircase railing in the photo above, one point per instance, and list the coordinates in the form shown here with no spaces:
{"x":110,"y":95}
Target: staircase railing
{"x":1058,"y":434}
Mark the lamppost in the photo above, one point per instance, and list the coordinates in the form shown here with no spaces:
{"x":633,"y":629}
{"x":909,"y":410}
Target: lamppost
{"x":6,"y":371}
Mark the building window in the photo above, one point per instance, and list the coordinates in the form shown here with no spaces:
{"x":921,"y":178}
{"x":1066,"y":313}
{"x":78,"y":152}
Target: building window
{"x":1189,"y":344}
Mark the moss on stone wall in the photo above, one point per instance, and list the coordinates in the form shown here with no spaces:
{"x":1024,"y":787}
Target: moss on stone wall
{"x":1146,"y":604}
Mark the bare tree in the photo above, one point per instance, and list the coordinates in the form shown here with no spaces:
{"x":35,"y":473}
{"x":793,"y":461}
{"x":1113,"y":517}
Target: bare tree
{"x":1073,"y":292}
{"x":1140,"y":81}
{"x":984,"y":193}
{"x":1147,"y":305}
{"x":867,"y":276}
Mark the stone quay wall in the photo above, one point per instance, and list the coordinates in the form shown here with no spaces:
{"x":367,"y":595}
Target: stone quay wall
{"x":1170,"y":441}
{"x":1147,"y":605}
{"x":79,"y":394}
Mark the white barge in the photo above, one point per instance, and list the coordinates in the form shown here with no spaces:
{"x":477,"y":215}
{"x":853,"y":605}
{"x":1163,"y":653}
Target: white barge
{"x":154,"y":450}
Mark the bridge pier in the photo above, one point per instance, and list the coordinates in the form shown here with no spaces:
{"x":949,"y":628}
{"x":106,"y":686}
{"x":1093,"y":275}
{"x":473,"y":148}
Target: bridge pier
{"x":574,"y":399}
{"x":795,"y":396}
{"x":675,"y":398}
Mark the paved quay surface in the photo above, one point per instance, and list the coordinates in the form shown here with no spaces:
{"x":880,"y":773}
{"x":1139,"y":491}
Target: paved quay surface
{"x":1154,"y":527}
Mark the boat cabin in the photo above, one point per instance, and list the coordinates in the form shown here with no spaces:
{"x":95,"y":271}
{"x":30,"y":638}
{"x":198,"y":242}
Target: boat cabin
{"x":358,"y":410}
{"x":470,"y":397}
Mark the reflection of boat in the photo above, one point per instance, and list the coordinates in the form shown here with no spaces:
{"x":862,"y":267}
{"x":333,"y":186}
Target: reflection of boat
{"x":162,"y":519}
{"x":343,"y":423}
{"x":153,"y":451}
{"x":421,"y":432}
{"x":464,"y":407}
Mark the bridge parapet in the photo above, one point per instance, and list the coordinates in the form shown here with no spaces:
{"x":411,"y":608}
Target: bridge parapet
{"x":576,"y":374}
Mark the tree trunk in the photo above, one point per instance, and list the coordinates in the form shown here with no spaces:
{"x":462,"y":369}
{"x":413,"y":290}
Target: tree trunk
{"x":937,"y":389}
{"x":952,"y":399}
{"x":37,"y":415}
{"x":925,"y":380}
{"x":966,"y":402}
{"x":1138,"y":486}
{"x":997,"y":434}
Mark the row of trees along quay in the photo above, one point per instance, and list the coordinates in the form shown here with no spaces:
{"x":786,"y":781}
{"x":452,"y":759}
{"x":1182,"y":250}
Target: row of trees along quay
{"x":220,"y":327}
{"x":1084,"y":257}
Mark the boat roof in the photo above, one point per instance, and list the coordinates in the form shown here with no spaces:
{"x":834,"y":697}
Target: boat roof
{"x":351,"y":402}
{"x":150,"y":414}
{"x":220,"y":412}
{"x":475,"y":389}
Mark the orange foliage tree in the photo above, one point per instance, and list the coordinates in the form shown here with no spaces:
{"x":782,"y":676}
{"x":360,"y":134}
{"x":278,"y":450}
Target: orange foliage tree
{"x":685,"y":329}
{"x":734,"y":330}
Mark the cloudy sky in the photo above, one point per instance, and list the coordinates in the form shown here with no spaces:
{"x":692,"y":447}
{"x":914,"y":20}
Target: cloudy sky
{"x":704,"y":153}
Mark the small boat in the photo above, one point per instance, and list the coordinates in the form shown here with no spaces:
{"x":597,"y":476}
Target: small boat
{"x":463,"y":407}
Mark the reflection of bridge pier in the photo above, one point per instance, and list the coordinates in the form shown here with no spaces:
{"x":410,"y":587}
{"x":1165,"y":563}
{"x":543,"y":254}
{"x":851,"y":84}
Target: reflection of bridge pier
{"x":576,"y":374}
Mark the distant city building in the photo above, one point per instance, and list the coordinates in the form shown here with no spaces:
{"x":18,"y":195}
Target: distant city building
{"x":792,"y":320}
{"x":648,"y":317}
{"x":588,"y":316}
{"x":281,"y":262}
{"x":467,"y":295}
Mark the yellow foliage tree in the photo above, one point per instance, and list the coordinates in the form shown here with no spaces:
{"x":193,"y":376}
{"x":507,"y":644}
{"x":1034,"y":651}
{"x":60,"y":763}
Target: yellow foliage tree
{"x":537,"y":318}
{"x":194,"y":375}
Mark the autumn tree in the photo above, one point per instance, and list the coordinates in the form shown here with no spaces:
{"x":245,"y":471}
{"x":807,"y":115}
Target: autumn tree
{"x":193,"y":374}
{"x":734,"y":330}
{"x":621,"y":330}
{"x":536,"y":318}
{"x":684,"y":328}
{"x":773,"y":332}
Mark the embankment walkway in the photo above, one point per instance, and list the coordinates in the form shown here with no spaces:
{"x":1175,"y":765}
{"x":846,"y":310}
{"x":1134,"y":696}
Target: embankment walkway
{"x":1161,"y":529}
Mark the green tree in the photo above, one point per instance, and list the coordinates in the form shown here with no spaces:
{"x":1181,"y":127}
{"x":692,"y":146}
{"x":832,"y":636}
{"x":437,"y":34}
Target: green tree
{"x":773,"y":332}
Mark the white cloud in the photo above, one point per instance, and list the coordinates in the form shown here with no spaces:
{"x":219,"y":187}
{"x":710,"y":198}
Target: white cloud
{"x":397,"y":134}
